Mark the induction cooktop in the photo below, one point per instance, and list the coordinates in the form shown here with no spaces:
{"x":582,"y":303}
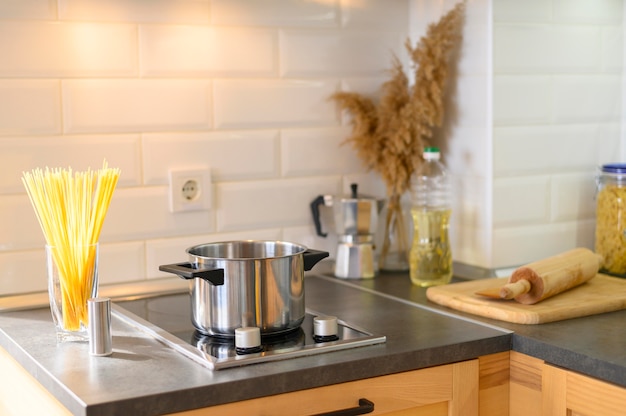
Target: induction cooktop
{"x":168,"y":319}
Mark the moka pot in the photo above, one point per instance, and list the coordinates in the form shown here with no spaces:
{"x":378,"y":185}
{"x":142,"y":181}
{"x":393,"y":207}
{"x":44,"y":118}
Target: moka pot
{"x":356,"y":220}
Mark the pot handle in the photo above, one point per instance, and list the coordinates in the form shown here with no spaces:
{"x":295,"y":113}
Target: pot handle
{"x":315,"y":210}
{"x":189,"y":270}
{"x":312,"y":257}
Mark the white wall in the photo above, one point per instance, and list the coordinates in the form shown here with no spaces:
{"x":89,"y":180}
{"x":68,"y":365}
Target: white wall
{"x":556,"y":116}
{"x":241,"y":86}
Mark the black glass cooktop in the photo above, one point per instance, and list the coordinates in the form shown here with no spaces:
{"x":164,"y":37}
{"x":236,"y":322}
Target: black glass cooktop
{"x":168,"y":318}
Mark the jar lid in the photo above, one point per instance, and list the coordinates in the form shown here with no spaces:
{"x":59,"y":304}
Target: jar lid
{"x":618,"y":168}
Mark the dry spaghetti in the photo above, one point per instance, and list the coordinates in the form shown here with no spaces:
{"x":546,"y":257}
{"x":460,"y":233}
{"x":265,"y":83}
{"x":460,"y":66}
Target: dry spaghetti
{"x":71,"y":207}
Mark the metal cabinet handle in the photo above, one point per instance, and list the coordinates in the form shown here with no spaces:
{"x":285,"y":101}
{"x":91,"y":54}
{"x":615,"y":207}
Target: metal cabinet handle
{"x":365,"y":406}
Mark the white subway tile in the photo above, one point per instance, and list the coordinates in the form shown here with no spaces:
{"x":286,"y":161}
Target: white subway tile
{"x":332,"y":53}
{"x":99,"y":105}
{"x":367,"y":86}
{"x":589,"y":11}
{"x":589,"y":98}
{"x":121,"y":262}
{"x":20,"y":229}
{"x":522,"y":48}
{"x":528,"y":11}
{"x":513,"y":246}
{"x":375,"y":14}
{"x":23,"y":271}
{"x":522,"y":99}
{"x":153,"y":11}
{"x":576,"y":49}
{"x":265,"y":204}
{"x":117,"y":263}
{"x":275,"y":13}
{"x":143,"y":213}
{"x":305,"y":235}
{"x":573,"y":196}
{"x":78,"y":152}
{"x":612,"y":49}
{"x":273,"y":103}
{"x":30,"y":107}
{"x":174,"y":250}
{"x":79,"y":49}
{"x":525,"y":150}
{"x":523,"y":200}
{"x":200,"y":51}
{"x":29,"y":9}
{"x":318,"y":152}
{"x":231,"y":155}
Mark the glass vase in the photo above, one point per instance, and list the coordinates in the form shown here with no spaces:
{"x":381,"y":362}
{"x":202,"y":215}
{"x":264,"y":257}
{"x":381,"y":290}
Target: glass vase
{"x":394,"y":255}
{"x":72,"y":281}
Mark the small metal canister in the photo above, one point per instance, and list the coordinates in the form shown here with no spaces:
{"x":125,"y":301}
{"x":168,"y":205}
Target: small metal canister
{"x":610,"y":240}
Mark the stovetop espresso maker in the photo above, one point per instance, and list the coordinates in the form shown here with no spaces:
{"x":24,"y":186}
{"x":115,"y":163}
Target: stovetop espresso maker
{"x":356,"y":219}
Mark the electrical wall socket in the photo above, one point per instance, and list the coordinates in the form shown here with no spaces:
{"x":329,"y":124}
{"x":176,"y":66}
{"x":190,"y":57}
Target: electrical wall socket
{"x":190,"y":190}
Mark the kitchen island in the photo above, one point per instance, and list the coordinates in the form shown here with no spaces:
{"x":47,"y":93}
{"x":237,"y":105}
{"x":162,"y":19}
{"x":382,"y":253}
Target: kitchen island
{"x":144,"y":377}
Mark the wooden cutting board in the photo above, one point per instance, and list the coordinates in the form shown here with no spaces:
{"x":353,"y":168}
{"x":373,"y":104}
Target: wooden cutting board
{"x":601,"y":294}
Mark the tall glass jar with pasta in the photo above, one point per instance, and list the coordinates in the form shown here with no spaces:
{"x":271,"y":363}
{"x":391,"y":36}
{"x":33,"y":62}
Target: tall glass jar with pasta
{"x":610,"y":240}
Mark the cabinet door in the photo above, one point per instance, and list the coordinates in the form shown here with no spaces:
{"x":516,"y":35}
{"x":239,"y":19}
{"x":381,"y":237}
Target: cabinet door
{"x":448,"y":390}
{"x":566,"y":393}
{"x":541,"y":389}
{"x":21,"y":394}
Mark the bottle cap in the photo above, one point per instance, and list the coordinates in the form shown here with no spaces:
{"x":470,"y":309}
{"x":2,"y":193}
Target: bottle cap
{"x":100,"y":340}
{"x":431,"y":153}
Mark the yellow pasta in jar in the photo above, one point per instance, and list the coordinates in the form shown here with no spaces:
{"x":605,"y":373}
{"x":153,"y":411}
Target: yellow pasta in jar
{"x":610,"y":227}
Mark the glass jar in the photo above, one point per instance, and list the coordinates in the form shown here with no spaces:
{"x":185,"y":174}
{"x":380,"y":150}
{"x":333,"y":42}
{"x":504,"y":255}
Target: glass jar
{"x":610,"y":241}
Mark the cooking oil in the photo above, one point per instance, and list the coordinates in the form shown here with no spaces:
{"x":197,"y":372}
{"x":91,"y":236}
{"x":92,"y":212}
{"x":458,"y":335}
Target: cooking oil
{"x":430,"y":258}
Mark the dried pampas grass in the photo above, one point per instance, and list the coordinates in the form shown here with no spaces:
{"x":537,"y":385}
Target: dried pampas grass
{"x":390,"y":137}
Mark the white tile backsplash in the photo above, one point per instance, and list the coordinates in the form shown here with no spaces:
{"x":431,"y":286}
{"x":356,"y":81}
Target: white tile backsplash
{"x":247,"y":103}
{"x":242,"y":87}
{"x":308,"y":53}
{"x":153,"y":11}
{"x":558,"y":74}
{"x":522,"y":99}
{"x":318,"y":152}
{"x":30,"y":107}
{"x":321,"y":14}
{"x":587,"y":98}
{"x":608,"y":12}
{"x":134,"y":105}
{"x":28,"y":49}
{"x":519,"y":201}
{"x":270,"y":203}
{"x":201,"y":51}
{"x":21,"y":154}
{"x":231,"y":155}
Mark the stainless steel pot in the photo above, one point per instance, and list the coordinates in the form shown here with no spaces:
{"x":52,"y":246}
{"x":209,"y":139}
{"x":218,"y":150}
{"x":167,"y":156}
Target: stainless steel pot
{"x":246,"y":283}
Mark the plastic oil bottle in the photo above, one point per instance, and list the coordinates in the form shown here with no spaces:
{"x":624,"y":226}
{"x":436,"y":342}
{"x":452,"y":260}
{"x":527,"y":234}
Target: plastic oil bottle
{"x":430,"y":257}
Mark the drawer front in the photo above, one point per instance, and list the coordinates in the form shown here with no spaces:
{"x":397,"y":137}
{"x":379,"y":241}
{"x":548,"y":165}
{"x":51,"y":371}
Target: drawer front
{"x":444,"y":390}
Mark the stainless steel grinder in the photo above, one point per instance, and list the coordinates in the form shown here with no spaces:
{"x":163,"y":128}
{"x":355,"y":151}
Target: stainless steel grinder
{"x":356,"y":219}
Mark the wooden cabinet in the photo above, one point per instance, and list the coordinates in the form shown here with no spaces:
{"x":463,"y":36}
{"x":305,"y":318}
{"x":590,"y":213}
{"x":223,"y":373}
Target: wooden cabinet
{"x":542,"y":389}
{"x":507,"y":383}
{"x":21,"y":394}
{"x":447,"y":390}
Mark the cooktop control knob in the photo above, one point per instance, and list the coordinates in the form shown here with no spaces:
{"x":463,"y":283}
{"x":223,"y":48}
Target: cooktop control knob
{"x":248,"y":340}
{"x":325,"y":328}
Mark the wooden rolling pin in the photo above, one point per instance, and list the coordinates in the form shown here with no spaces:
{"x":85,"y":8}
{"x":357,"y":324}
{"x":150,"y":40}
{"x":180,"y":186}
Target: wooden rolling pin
{"x":542,"y":279}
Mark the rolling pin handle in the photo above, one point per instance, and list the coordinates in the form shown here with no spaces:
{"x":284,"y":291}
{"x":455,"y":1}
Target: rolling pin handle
{"x":512,"y":290}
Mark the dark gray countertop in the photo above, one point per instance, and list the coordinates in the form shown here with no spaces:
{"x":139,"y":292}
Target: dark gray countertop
{"x":144,"y":377}
{"x":593,"y":345}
